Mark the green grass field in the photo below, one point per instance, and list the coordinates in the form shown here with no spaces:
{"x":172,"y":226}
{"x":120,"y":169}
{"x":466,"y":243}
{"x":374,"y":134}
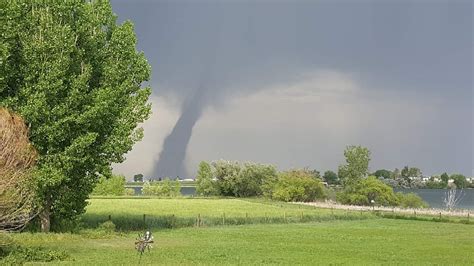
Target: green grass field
{"x":352,"y":238}
{"x":373,"y":241}
{"x":128,"y":213}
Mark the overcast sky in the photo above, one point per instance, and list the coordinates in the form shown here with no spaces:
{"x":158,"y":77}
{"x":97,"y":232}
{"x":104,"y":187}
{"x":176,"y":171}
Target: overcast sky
{"x":292,"y":83}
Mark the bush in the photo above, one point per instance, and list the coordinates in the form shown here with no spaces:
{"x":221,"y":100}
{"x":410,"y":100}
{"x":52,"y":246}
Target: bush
{"x":366,"y":190}
{"x":129,"y":192}
{"x":6,"y":243}
{"x":113,"y":186}
{"x":18,"y":255}
{"x":165,"y":188}
{"x":255,"y":180}
{"x":244,"y":180}
{"x":298,"y":185}
{"x":108,"y":227}
{"x":226,"y":173}
{"x":411,"y":200}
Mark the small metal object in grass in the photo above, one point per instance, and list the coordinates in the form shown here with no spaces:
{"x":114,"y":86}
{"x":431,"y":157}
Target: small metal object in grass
{"x":144,"y":242}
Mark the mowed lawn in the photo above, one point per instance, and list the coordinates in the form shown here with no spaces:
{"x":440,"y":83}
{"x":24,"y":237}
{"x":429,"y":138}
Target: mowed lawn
{"x":370,"y":241}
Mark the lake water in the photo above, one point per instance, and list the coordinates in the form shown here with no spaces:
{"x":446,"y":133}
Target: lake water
{"x":435,"y":197}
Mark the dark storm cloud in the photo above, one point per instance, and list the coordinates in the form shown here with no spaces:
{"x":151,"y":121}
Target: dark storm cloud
{"x":220,"y":50}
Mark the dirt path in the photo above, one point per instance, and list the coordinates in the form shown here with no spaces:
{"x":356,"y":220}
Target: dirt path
{"x":432,"y":212}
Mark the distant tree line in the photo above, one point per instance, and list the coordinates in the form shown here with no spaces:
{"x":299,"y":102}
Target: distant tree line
{"x":230,"y":178}
{"x":412,"y":177}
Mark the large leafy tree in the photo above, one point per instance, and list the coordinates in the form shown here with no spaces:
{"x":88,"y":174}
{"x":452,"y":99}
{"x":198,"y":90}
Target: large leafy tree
{"x":76,"y":78}
{"x":459,"y":180}
{"x":357,"y":165}
{"x":330,"y":177}
{"x":382,"y":173}
{"x":205,"y":186}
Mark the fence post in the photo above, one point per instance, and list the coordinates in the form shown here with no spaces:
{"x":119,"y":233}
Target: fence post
{"x":468,"y":217}
{"x":223,"y":219}
{"x":440,"y":215}
{"x":301,"y":216}
{"x":110,"y":217}
{"x":144,"y":218}
{"x":199,"y":220}
{"x":284,"y":216}
{"x":172,"y":221}
{"x":414,"y":212}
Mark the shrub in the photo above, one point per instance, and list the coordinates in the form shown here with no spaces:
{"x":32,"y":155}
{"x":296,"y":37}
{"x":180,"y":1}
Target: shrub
{"x":226,"y":173}
{"x":13,"y":254}
{"x":244,"y":180}
{"x":298,"y":185}
{"x":6,"y":243}
{"x":254,"y":180}
{"x":411,"y":200}
{"x":366,"y":190}
{"x":113,"y":186}
{"x":129,"y":192}
{"x":165,"y":188}
{"x":108,"y":227}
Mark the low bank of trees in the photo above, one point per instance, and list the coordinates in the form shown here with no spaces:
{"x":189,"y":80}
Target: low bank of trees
{"x":231,"y":178}
{"x":165,"y":188}
{"x":361,"y":189}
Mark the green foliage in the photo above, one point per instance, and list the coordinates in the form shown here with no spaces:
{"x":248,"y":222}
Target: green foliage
{"x":460,"y":181}
{"x":107,"y":227}
{"x":113,"y":186}
{"x":165,"y":188}
{"x":19,"y":255}
{"x":244,"y":180}
{"x":445,"y":178}
{"x":411,"y":200}
{"x":298,"y":185}
{"x":75,"y":76}
{"x":357,"y":167}
{"x":366,"y":190}
{"x":227,"y":173}
{"x":408,"y":172}
{"x":435,"y":184}
{"x":6,"y":244}
{"x":205,"y":186}
{"x":255,"y":180}
{"x":395,"y":174}
{"x":382,"y":173}
{"x":138,"y":178}
{"x":129,"y":192}
{"x":330,"y":177}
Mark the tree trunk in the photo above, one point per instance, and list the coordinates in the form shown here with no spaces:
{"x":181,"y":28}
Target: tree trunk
{"x":45,"y":217}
